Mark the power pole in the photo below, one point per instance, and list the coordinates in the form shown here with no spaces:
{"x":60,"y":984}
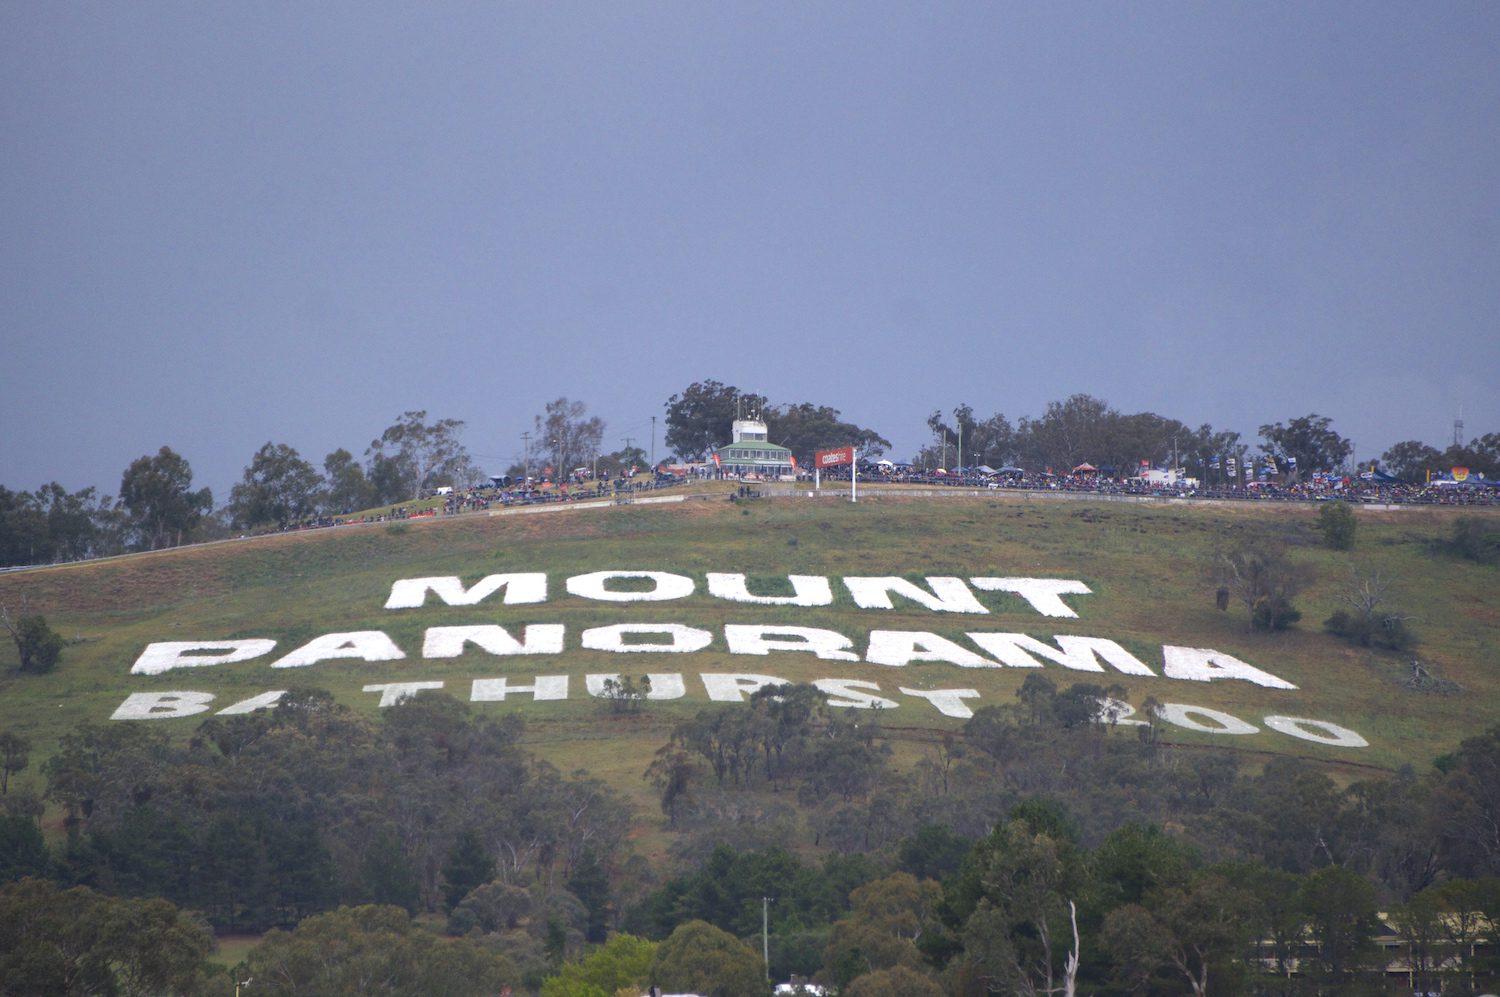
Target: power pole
{"x":765,"y":936}
{"x":653,"y":444}
{"x":526,"y":441}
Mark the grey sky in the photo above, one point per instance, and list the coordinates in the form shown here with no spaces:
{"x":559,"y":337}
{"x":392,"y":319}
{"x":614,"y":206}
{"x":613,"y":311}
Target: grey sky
{"x":225,"y":224}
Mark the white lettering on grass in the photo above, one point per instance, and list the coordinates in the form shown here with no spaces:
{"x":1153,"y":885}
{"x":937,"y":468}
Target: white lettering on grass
{"x":850,"y":694}
{"x":1321,"y":732}
{"x":1219,"y":722}
{"x":162,"y":705}
{"x":735,"y":687}
{"x":949,"y":702}
{"x":1042,"y":594}
{"x":392,"y":693}
{"x":810,"y":590}
{"x":1118,"y":713}
{"x":948,"y":595}
{"x":898,"y":648}
{"x":536,"y":638}
{"x":163,"y":656}
{"x":664,"y":685}
{"x":1199,"y":664}
{"x":545,"y":687}
{"x":1081,"y":654}
{"x":829,"y":645}
{"x":522,"y":588}
{"x":665,"y":586}
{"x":681,"y":639}
{"x":366,"y":645}
{"x":265,"y":701}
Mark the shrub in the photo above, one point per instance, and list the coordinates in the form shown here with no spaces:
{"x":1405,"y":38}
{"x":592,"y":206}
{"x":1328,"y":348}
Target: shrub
{"x":38,"y":645}
{"x":1383,"y":630}
{"x":1337,"y":524}
{"x":1274,"y":612}
{"x":1476,"y":539}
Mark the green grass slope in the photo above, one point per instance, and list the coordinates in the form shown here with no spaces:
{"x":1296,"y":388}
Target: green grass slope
{"x":1147,"y":566}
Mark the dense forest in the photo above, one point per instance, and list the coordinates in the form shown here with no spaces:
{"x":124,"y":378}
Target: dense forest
{"x":1040,"y":849}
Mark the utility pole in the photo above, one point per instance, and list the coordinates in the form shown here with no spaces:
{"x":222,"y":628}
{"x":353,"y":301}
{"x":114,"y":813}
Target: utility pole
{"x":526,"y":441}
{"x":653,"y":444}
{"x":765,"y":936}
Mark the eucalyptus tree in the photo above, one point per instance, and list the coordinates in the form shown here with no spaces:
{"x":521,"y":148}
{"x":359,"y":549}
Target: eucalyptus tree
{"x":157,"y":493}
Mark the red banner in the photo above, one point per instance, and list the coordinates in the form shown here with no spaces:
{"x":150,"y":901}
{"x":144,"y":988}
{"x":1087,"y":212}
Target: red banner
{"x":832,"y":458}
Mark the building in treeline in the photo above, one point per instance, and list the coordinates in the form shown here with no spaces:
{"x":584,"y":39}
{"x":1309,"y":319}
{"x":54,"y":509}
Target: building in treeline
{"x":751,"y":455}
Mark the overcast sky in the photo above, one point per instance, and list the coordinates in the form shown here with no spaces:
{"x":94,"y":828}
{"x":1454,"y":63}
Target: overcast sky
{"x":226,"y":224}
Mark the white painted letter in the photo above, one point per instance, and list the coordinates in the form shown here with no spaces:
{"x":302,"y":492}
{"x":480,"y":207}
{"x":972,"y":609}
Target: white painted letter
{"x":169,"y":654}
{"x":1200,"y":664}
{"x":162,"y":705}
{"x":1041,"y":593}
{"x":537,"y":638}
{"x":526,"y":587}
{"x":392,"y":693}
{"x":846,"y":693}
{"x":901,"y":647}
{"x":811,"y":590}
{"x":265,"y":701}
{"x":1078,"y":653}
{"x":949,"y":595}
{"x":949,"y":702}
{"x":367,"y":645}
{"x":668,"y":586}
{"x":733,"y":687}
{"x":1323,"y":732}
{"x":495,"y":690}
{"x":1182,"y":715}
{"x":1118,"y":712}
{"x":664,"y":685}
{"x":612,"y":638}
{"x":826,"y":644}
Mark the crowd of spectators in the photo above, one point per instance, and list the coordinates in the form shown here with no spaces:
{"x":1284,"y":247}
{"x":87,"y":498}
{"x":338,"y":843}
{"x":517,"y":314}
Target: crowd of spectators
{"x":1355,"y":489}
{"x":531,"y":491}
{"x":1322,"y":487}
{"x":518,"y":492}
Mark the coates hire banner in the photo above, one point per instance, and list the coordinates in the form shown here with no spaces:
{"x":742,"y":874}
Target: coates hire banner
{"x":832,"y":458}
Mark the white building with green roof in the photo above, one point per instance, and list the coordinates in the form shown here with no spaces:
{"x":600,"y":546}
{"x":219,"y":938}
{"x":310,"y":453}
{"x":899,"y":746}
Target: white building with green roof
{"x":751,"y":455}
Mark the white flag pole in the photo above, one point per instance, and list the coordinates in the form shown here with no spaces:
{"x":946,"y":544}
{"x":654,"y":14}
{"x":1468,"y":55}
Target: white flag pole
{"x":854,"y":476}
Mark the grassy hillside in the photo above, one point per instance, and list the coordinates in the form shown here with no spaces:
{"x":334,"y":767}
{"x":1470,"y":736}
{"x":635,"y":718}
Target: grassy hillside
{"x":1146,"y":566}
